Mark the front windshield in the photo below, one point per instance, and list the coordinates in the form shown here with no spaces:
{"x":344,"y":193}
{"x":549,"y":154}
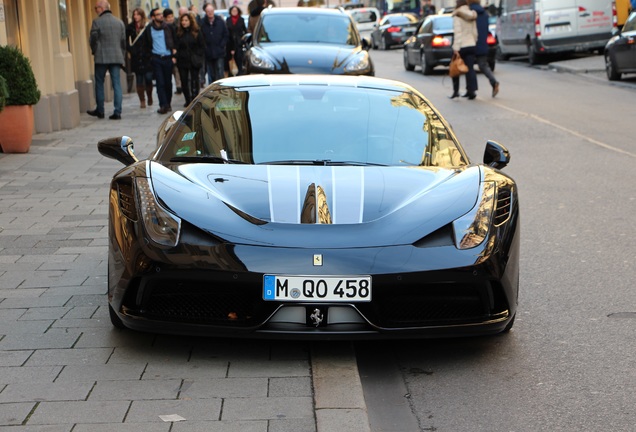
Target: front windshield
{"x":307,"y":28}
{"x":312,"y":124}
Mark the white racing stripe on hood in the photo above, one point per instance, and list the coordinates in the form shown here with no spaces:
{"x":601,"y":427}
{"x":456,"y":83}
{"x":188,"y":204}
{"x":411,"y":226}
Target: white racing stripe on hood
{"x":284,"y":193}
{"x":343,"y":188}
{"x":348,"y":196}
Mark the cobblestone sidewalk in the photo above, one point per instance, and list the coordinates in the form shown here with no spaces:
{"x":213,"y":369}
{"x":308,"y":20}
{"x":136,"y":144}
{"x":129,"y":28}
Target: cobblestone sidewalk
{"x":62,"y":365}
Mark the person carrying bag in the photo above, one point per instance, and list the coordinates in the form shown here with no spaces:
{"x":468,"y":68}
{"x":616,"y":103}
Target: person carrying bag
{"x":464,"y":46}
{"x":457,"y":66}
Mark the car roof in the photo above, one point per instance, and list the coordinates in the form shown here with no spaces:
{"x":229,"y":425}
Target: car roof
{"x":303,"y":11}
{"x":362,"y":10}
{"x":263,"y":80}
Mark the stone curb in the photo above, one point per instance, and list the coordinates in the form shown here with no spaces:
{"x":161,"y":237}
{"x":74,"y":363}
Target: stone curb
{"x":338,"y":396}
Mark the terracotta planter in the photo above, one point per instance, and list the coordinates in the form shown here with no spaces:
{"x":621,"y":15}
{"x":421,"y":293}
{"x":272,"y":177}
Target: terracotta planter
{"x":17,"y":125}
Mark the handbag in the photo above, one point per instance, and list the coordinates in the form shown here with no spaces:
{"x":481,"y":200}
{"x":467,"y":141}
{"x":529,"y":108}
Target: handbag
{"x":457,"y":66}
{"x":233,"y":67}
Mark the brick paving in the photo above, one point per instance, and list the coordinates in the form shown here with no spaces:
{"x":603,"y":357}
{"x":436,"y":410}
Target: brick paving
{"x":63,"y":366}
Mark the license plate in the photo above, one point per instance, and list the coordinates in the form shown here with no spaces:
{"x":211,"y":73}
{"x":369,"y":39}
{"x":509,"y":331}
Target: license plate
{"x":558,"y":28}
{"x":317,"y":288}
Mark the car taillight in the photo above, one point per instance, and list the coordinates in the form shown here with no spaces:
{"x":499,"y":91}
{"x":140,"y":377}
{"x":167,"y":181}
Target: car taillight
{"x":490,"y":40}
{"x":537,"y":24}
{"x":440,"y":41}
{"x":393,"y":29}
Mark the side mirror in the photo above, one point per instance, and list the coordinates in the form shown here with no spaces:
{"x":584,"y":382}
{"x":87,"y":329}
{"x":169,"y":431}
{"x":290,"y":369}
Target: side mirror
{"x":246,"y":40}
{"x":496,"y":155}
{"x":118,"y":148}
{"x":366,"y":45}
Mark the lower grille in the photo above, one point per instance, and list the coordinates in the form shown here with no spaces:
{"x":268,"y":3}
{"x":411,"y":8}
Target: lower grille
{"x":437,"y":305}
{"x":191,"y":303}
{"x":239,"y":304}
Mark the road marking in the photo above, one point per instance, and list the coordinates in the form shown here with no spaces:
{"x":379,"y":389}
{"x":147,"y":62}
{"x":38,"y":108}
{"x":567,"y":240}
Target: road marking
{"x":570,"y":131}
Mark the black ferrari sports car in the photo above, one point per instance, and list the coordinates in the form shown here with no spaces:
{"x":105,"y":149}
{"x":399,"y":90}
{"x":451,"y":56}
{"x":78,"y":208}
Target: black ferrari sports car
{"x":311,"y":206}
{"x":307,"y":41}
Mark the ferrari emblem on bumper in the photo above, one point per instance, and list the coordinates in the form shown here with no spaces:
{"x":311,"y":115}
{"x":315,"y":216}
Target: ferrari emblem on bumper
{"x":316,"y":317}
{"x":317,"y":259}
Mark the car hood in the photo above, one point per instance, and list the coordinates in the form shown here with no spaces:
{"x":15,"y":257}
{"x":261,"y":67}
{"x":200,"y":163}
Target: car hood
{"x":288,"y":204}
{"x":299,"y":58}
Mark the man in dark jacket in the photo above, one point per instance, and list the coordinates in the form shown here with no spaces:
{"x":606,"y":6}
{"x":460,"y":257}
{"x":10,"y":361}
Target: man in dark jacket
{"x":216,"y":36}
{"x":482,"y":45}
{"x":108,"y":44}
{"x":161,"y":37}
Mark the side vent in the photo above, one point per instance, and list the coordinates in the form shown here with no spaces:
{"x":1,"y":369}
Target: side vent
{"x":504,"y":201}
{"x":127,"y":204}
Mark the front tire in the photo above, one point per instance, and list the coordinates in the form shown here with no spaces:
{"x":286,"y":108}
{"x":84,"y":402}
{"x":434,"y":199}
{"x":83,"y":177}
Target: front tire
{"x":509,"y":325}
{"x":383,"y":46}
{"x":500,"y":55}
{"x":610,"y":69}
{"x":533,"y":55}
{"x":407,"y":65}
{"x":114,"y":319}
{"x":427,"y":69}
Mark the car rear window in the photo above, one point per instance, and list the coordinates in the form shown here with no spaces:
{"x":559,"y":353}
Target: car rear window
{"x":442,"y":24}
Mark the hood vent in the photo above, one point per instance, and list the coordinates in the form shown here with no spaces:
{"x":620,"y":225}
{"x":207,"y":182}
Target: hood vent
{"x":127,"y":204}
{"x":504,"y":201}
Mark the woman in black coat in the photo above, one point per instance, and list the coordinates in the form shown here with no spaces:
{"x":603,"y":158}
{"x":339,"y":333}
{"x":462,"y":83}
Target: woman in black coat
{"x":140,"y":55}
{"x":190,"y":56}
{"x":236,"y":27}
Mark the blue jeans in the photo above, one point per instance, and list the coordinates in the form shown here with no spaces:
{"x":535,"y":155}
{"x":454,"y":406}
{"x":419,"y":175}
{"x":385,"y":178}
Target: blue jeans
{"x":100,"y":76}
{"x":216,"y":69}
{"x":162,"y":68}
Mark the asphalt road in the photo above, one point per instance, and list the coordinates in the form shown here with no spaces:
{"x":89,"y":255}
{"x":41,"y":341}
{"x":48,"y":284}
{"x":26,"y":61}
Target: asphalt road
{"x":568,"y":363}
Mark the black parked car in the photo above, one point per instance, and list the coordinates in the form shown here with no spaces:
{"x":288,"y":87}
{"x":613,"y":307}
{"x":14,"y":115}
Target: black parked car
{"x":431,"y":45}
{"x":394,"y":29}
{"x":307,"y":40}
{"x":311,"y":206}
{"x":620,"y":51}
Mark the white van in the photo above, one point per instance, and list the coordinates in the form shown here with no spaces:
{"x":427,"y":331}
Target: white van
{"x":536,"y":28}
{"x":366,"y":20}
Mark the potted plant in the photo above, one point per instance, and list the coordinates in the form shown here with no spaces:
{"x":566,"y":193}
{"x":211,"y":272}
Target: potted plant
{"x":16,"y":119}
{"x":4,"y":92}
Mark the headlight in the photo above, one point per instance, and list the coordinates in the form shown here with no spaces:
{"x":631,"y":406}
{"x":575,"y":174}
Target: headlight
{"x":162,"y":227}
{"x":471,"y":229}
{"x":261,"y":61}
{"x":359,"y":63}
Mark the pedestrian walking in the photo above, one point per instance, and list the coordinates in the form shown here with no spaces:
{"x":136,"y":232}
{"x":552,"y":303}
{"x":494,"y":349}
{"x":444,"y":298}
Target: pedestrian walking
{"x":108,"y":44}
{"x":161,"y":37}
{"x":216,"y":36}
{"x":236,"y":28}
{"x":255,"y":7}
{"x":464,"y":43}
{"x":480,"y":16}
{"x":427,"y":8}
{"x":140,"y":54}
{"x":190,"y":56}
{"x":168,"y":17}
{"x":195,"y":13}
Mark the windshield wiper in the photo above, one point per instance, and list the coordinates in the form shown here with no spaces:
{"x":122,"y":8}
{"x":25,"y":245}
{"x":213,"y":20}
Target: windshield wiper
{"x":206,"y":159}
{"x":324,"y":162}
